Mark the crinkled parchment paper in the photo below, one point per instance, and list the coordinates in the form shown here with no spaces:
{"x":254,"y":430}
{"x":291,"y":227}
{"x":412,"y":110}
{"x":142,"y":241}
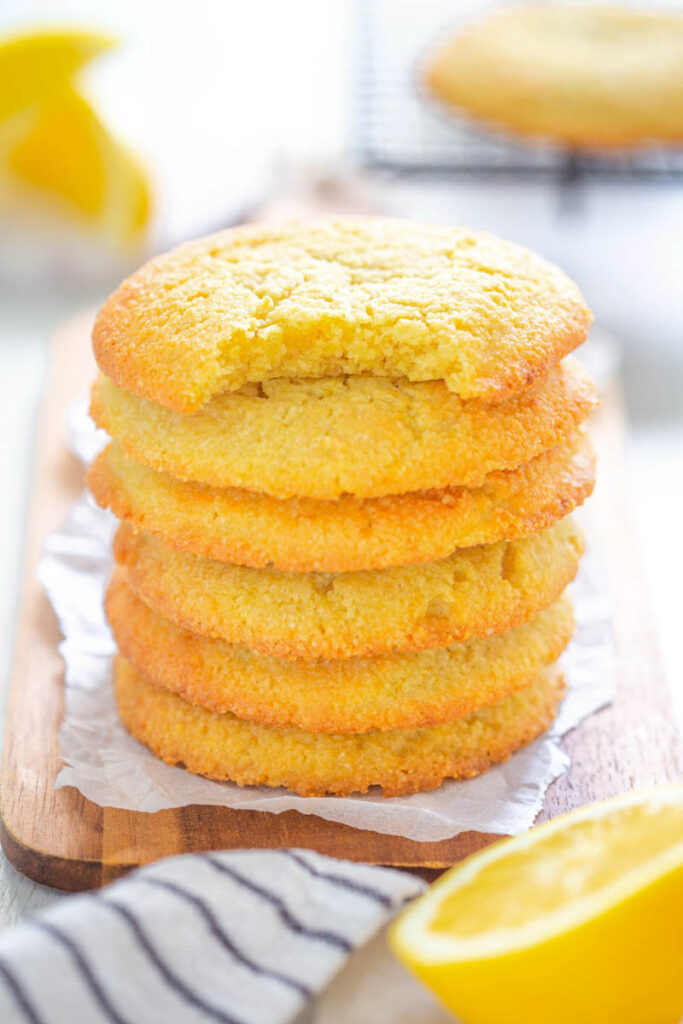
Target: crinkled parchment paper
{"x":112,"y":769}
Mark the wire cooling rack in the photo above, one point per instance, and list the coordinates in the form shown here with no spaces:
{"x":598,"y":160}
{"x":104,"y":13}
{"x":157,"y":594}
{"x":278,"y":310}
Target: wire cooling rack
{"x":400,"y":129}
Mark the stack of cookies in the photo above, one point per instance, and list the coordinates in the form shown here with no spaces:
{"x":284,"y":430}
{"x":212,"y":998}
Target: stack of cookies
{"x":344,"y":453}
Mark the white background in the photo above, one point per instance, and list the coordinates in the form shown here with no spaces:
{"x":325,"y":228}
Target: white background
{"x":218,"y":96}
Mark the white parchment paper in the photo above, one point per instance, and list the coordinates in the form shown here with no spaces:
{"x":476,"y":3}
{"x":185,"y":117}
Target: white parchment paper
{"x":112,"y":769}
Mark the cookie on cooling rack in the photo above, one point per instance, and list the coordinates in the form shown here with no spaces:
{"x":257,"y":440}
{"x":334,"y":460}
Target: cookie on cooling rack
{"x":582,"y":75}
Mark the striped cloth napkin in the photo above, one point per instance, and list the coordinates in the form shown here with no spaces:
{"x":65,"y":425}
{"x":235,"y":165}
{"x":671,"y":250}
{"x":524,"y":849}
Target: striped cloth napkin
{"x":239,"y":937}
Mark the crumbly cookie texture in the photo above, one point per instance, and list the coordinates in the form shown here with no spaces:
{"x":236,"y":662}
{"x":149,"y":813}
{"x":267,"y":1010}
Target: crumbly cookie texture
{"x":393,"y":691}
{"x":308,"y":535}
{"x":474,"y":592}
{"x":401,"y":761}
{"x":334,"y":297}
{"x":584,"y":75}
{"x":365,"y":436}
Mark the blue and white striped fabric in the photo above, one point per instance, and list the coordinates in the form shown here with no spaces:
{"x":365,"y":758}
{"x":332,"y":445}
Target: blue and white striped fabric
{"x":240,"y":937}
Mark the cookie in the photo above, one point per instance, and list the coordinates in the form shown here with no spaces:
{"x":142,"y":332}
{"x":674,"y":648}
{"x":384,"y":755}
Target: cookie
{"x":582,"y":75}
{"x":401,"y":761}
{"x":365,"y":436}
{"x":334,"y":297}
{"x":391,"y":691}
{"x":474,"y":592}
{"x":305,"y":535}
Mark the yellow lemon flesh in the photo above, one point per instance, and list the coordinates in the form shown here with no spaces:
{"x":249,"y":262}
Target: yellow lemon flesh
{"x":66,"y":152}
{"x":35,"y":64}
{"x":578,"y":920}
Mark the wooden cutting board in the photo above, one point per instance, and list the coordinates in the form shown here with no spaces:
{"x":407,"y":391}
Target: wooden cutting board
{"x":61,"y":839}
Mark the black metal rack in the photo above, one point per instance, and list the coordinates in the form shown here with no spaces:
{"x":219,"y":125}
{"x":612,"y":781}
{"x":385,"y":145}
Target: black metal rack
{"x":399,"y":129}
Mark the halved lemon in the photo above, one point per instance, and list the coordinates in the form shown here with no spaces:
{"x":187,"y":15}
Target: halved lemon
{"x":65,"y":153}
{"x":33,"y":65}
{"x":579,"y":921}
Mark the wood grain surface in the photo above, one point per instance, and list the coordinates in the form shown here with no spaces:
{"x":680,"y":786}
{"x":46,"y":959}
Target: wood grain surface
{"x":59,"y":838}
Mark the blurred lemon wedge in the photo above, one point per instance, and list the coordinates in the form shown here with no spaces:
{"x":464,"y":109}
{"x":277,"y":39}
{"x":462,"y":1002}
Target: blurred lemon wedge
{"x":578,"y":920}
{"x":65,"y":151}
{"x":55,"y":152}
{"x":34,"y":65}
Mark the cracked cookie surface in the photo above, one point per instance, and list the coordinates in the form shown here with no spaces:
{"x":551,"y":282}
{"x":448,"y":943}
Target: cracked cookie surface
{"x":335,"y":297}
